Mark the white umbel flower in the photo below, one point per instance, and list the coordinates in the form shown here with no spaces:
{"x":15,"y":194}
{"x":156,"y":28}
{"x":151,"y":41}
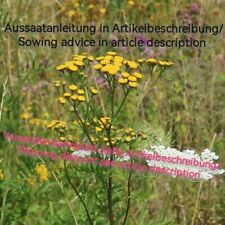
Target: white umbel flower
{"x":187,"y":162}
{"x":170,"y":161}
{"x":82,"y":153}
{"x":125,"y":157}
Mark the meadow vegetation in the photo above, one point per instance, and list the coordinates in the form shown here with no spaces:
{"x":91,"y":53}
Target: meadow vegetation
{"x":124,"y":97}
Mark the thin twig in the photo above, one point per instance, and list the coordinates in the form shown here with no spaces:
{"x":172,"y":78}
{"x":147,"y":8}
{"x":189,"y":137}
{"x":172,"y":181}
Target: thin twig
{"x":122,"y":103}
{"x":79,"y":196}
{"x":100,"y":97}
{"x":109,"y":191}
{"x":129,"y":195}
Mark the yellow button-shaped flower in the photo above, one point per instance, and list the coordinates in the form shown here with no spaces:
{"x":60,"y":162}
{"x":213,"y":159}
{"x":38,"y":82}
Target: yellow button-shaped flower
{"x":109,"y":57}
{"x":105,"y":62}
{"x":111,"y":53}
{"x":60,"y":67}
{"x":62,"y":138}
{"x":162,"y":63}
{"x":74,"y":97}
{"x":152,"y":60}
{"x":62,"y":100}
{"x":90,"y":58}
{"x":72,"y":13}
{"x":69,"y":63}
{"x":119,"y":64}
{"x":105,"y":69}
{"x":98,"y":129}
{"x":100,"y":58}
{"x":103,"y":119}
{"x":79,"y":63}
{"x":81,"y":98}
{"x":97,"y":66}
{"x":122,"y":81}
{"x":128,"y":139}
{"x":80,"y":91}
{"x":80,"y":57}
{"x":125,"y":74}
{"x":138,"y":75}
{"x":113,"y":69}
{"x":57,"y":84}
{"x":73,"y":68}
{"x":42,"y":172}
{"x":73,"y":87}
{"x":168,"y":63}
{"x":140,"y":60}
{"x":118,"y":59}
{"x":94,"y":91}
{"x":67,"y":94}
{"x":25,"y":115}
{"x":132,"y":78}
{"x":133,"y":84}
{"x":132,"y":64}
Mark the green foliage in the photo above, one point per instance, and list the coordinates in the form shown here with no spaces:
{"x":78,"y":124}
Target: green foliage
{"x":185,"y":108}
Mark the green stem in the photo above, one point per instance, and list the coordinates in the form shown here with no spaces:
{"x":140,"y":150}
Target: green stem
{"x":83,"y":125}
{"x":113,"y":93}
{"x":129,"y":194}
{"x":77,"y":193}
{"x":109,"y":192}
{"x":121,"y":105}
{"x":110,"y":199}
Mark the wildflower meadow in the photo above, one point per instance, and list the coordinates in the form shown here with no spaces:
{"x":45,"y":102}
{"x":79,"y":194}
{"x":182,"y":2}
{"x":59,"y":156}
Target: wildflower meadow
{"x":112,"y":112}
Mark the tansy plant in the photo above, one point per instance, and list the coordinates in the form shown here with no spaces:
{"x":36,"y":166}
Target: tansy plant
{"x":94,"y":91}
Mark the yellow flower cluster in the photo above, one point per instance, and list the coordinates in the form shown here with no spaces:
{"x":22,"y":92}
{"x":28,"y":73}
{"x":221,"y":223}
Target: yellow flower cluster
{"x":95,"y":9}
{"x":102,"y":123}
{"x":56,"y":124}
{"x":129,"y":134}
{"x":126,"y":72}
{"x":59,"y":83}
{"x":53,"y":124}
{"x":75,"y":94}
{"x":112,"y":64}
{"x":77,"y":63}
{"x":107,"y":141}
{"x":70,"y":138}
{"x":130,"y":79}
{"x":153,"y":61}
{"x":42,"y":172}
{"x":124,"y":135}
